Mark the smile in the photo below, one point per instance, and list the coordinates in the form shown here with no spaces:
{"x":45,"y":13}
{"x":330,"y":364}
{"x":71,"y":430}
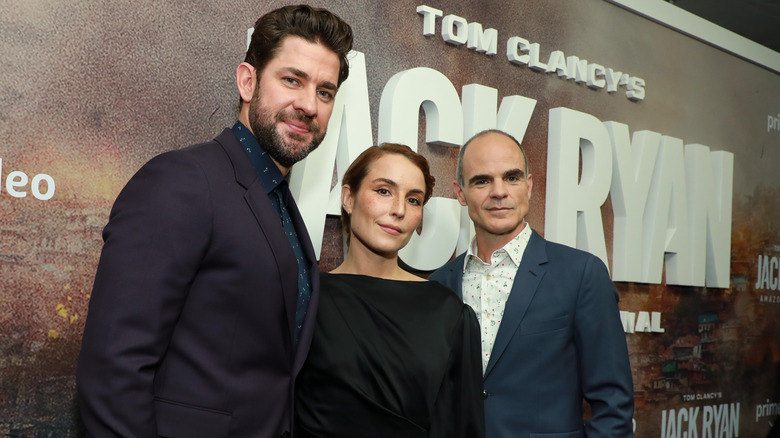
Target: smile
{"x":391,"y":229}
{"x":297,"y":126}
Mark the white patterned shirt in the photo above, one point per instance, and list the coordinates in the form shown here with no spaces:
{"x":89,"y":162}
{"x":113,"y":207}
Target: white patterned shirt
{"x":486,"y":285}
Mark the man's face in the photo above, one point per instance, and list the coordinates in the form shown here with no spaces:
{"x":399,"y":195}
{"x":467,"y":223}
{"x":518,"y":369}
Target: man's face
{"x":496,"y":188}
{"x":293,"y":100}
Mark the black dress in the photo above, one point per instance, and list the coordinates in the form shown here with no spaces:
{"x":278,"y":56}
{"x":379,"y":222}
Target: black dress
{"x":390,"y":359}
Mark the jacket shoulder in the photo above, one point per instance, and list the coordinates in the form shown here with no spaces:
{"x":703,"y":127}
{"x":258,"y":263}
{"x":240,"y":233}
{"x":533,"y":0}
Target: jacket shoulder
{"x":207,"y":156}
{"x":219,"y":144}
{"x":558,"y":250}
{"x":560,"y":256}
{"x":454,"y":266}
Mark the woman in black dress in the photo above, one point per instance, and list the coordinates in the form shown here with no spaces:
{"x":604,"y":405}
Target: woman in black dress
{"x":393,"y":355}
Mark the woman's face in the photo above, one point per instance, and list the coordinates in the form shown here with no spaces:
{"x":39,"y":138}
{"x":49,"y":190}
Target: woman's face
{"x":388,"y":206}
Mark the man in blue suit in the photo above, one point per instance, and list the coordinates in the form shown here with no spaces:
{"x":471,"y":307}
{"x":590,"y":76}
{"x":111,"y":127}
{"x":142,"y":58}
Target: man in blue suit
{"x":205,"y":296}
{"x":551,"y":330}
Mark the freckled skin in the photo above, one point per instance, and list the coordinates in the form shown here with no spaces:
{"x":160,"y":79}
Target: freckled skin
{"x":387,"y":207}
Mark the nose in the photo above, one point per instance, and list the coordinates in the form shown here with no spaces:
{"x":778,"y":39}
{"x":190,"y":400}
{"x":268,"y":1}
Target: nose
{"x":306,"y":102}
{"x":398,"y":208}
{"x":498,"y":189}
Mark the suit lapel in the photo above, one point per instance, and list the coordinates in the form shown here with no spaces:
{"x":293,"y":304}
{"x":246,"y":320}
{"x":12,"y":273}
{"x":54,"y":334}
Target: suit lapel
{"x":266,"y":216}
{"x":529,"y":274}
{"x":456,"y":273}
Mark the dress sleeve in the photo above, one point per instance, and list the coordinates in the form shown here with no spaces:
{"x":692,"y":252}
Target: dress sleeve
{"x":459,"y":410}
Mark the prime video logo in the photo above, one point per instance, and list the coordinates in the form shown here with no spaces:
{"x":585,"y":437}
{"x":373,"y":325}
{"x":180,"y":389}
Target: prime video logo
{"x":772,"y":122}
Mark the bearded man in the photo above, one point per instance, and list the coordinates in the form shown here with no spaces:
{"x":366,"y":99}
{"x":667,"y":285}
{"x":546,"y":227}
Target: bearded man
{"x":204,"y":299}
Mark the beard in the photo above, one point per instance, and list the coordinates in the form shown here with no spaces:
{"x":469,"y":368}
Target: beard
{"x":285,"y":151}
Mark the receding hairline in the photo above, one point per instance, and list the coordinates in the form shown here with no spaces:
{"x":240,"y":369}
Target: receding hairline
{"x":459,"y":167}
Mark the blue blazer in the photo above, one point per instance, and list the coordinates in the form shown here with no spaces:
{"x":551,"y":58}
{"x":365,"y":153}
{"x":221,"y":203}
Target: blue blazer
{"x":560,"y":341}
{"x":191,"y":319}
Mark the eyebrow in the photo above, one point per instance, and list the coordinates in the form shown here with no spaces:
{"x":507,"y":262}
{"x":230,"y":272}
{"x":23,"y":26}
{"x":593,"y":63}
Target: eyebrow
{"x":328,"y":85}
{"x":511,"y":172}
{"x":515,"y":172}
{"x":395,"y":184}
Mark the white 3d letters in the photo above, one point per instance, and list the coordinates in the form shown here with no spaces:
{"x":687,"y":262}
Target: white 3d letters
{"x":682,"y":222}
{"x":349,"y":134}
{"x":435,"y":245}
{"x":399,"y":108}
{"x":454,"y":29}
{"x":666,"y":218}
{"x":479,"y":114}
{"x":709,"y":176}
{"x":573,"y":215}
{"x":429,"y":18}
{"x":671,"y":203}
{"x":631,"y":178}
{"x":400,"y":105}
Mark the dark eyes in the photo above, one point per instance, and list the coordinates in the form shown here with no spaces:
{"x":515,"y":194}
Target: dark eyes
{"x":512,"y":179}
{"x":323,"y":94}
{"x":385,"y":192}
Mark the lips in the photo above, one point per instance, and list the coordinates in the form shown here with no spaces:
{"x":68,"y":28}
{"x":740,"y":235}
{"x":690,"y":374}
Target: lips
{"x":297,"y":126}
{"x":391,"y":229}
{"x":297,"y":123}
{"x":499,"y":208}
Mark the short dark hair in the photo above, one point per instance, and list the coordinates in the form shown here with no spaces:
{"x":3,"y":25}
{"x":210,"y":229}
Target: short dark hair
{"x":359,"y":168}
{"x":459,"y":168}
{"x":315,"y":25}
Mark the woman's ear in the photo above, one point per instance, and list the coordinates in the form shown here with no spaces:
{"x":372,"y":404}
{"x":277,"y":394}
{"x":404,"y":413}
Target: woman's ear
{"x":347,"y":201}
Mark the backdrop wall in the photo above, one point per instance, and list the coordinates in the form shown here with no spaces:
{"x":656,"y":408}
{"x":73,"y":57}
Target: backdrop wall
{"x":656,"y":151}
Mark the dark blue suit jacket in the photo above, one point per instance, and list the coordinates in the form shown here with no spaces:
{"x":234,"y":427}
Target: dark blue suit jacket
{"x":560,"y":341}
{"x":190,"y":324}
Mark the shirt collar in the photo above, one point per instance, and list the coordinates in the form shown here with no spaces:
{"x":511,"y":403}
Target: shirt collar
{"x":514,"y":248}
{"x":270,"y":175}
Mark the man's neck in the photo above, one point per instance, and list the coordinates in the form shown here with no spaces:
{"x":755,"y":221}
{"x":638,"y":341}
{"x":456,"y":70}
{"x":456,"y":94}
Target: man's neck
{"x":487,"y":244}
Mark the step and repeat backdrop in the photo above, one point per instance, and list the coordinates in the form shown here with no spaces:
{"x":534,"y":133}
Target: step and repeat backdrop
{"x":654,"y":150}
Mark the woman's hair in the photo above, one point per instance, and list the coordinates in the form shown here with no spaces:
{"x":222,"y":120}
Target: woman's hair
{"x":359,"y":168}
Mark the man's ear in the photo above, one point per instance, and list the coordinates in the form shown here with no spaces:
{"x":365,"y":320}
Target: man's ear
{"x":246,"y":79}
{"x":459,"y":193}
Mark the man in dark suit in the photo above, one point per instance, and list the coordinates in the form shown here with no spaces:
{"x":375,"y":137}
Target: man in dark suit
{"x":205,"y":295}
{"x":551,"y":330}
